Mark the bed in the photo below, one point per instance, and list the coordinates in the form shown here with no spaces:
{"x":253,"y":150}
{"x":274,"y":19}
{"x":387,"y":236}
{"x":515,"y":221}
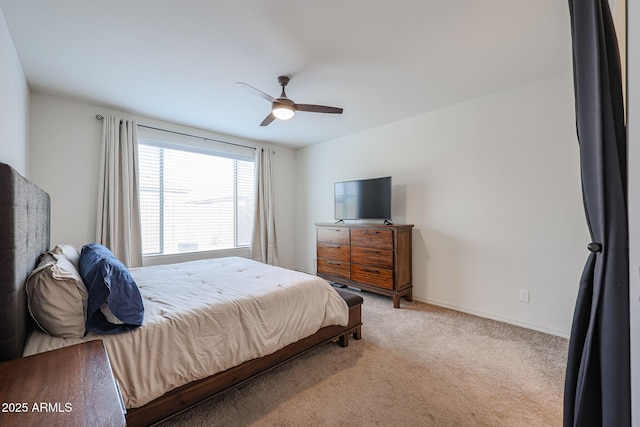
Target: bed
{"x":24,"y":237}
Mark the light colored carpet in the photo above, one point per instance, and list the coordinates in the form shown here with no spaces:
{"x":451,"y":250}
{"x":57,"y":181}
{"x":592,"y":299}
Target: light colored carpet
{"x":420,"y":365}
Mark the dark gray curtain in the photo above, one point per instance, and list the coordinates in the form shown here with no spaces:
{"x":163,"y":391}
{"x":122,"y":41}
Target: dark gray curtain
{"x":597,"y":385}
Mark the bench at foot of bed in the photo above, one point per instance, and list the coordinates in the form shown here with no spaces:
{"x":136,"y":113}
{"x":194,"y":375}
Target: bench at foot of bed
{"x":354,"y":302}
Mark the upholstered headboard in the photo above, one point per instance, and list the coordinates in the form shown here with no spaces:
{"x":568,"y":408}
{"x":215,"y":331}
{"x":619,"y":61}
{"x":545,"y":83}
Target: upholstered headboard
{"x":24,"y":236}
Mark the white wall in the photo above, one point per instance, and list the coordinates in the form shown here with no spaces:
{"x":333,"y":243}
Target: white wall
{"x":493,"y":189}
{"x":65,"y":146}
{"x":14,"y":104}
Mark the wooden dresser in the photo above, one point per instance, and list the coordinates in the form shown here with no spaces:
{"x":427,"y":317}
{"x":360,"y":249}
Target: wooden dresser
{"x":72,"y":386}
{"x":371,"y":257}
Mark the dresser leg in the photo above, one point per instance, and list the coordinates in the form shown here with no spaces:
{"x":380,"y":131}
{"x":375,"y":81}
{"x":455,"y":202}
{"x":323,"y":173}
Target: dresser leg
{"x":409,"y":296}
{"x":396,"y":301}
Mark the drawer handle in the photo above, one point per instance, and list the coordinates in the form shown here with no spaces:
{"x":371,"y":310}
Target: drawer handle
{"x":333,"y":263}
{"x":368,"y":270}
{"x":334,"y":246}
{"x":370,"y":251}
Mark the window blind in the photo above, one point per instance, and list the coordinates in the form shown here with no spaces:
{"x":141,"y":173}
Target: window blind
{"x":193,"y":199}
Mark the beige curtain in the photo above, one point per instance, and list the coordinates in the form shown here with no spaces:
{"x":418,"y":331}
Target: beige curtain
{"x":264,"y":246}
{"x":118,"y":224}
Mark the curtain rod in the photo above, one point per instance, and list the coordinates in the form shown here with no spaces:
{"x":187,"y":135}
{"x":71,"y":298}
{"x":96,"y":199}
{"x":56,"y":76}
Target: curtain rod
{"x":101,"y":117}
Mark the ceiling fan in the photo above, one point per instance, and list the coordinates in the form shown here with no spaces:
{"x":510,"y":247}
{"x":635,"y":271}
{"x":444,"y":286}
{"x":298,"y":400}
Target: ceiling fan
{"x":283,"y":108}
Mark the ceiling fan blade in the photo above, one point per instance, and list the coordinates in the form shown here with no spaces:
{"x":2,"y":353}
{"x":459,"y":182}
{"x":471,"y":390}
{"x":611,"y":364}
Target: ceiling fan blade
{"x":318,"y":108}
{"x":268,"y":119}
{"x":257,"y":92}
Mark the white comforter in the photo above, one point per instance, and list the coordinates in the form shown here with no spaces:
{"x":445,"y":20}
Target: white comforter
{"x":203,"y":317}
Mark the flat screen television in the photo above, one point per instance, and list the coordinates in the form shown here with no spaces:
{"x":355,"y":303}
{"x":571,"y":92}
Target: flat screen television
{"x":363,"y":199}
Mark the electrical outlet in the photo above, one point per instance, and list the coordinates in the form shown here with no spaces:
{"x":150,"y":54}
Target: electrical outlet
{"x":524,"y":295}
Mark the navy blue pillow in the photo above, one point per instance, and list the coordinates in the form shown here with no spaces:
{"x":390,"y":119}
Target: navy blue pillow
{"x":109,"y":282}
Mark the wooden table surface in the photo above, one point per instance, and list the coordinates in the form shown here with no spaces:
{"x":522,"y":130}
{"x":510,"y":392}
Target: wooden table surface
{"x":72,"y":386}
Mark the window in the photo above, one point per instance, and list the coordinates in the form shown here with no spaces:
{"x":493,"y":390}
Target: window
{"x":194,"y":199}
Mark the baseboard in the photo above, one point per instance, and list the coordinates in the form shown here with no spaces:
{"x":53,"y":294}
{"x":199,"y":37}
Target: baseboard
{"x":499,"y":318}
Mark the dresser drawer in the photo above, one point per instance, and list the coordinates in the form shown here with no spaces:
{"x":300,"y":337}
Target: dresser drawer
{"x":336,"y":235}
{"x":338,"y":269}
{"x":372,"y":238}
{"x":334,"y":251}
{"x":382,"y":258}
{"x":380,"y":277}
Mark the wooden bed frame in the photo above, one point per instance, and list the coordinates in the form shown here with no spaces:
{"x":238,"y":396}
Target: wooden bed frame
{"x":25,"y":235}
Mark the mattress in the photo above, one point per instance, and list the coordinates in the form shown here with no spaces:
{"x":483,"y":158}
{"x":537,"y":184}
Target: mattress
{"x":203,"y":317}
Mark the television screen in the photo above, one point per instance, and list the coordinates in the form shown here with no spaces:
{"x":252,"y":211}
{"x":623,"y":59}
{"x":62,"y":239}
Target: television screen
{"x":363,"y":199}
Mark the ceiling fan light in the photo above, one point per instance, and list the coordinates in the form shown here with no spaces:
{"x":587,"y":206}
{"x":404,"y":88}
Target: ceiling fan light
{"x":283,"y":112}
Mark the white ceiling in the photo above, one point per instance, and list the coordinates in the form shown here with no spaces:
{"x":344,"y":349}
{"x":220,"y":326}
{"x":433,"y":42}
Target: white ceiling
{"x":380,"y":60}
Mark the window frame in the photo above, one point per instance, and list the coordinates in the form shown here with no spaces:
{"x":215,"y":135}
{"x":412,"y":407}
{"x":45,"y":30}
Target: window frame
{"x":178,"y":141}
